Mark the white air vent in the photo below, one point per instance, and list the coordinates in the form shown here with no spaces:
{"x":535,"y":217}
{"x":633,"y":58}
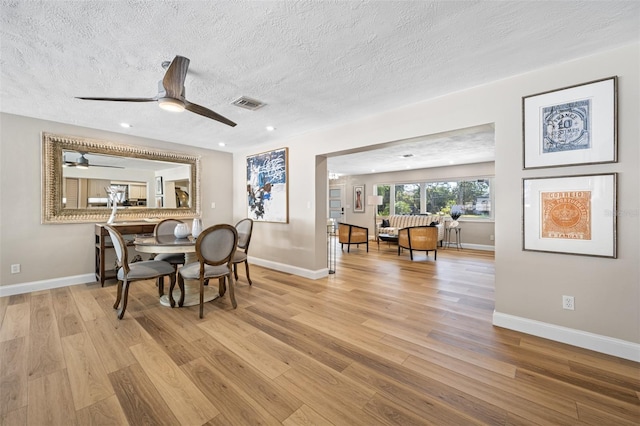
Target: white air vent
{"x":248,"y":103}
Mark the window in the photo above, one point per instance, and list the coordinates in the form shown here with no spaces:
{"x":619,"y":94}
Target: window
{"x":471,"y":198}
{"x":407,"y":198}
{"x":385,"y":208}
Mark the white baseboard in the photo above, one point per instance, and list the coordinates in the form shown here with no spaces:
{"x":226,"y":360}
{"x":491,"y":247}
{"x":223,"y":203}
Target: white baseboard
{"x":570,"y":336}
{"x":10,"y":290}
{"x":307,"y":273}
{"x":478,"y":247}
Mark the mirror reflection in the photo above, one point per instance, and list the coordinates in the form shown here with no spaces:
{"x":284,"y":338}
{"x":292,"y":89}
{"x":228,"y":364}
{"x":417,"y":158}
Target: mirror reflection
{"x":147,"y":183}
{"x":78,"y":174}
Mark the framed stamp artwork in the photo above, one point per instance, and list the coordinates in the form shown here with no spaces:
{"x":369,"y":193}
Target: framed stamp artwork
{"x":570,"y":214}
{"x":570,"y":126}
{"x":358,"y":198}
{"x":268,"y":186}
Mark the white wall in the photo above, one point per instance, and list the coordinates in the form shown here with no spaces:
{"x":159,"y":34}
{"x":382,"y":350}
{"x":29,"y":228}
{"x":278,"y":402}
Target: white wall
{"x":529,"y":285}
{"x":47,"y":252}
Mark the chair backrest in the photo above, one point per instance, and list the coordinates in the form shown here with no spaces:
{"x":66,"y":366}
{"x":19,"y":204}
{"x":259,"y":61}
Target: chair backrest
{"x":120,"y":247}
{"x":166,"y":227}
{"x":419,"y":237}
{"x":244,"y":228}
{"x":352,"y":234}
{"x":217,"y":244}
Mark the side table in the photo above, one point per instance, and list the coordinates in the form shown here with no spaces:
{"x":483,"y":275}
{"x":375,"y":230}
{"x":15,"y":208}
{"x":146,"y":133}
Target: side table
{"x":456,"y":238}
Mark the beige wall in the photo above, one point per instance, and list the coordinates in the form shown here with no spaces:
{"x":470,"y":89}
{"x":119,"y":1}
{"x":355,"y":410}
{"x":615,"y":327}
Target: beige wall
{"x":529,"y":285}
{"x":47,"y":252}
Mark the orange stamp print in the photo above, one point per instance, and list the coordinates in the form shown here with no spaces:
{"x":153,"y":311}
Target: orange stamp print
{"x":566,"y":215}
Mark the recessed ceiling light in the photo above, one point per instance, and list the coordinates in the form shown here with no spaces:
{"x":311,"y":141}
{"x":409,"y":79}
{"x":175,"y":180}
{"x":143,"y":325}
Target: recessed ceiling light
{"x":373,"y":170}
{"x":222,"y":144}
{"x":408,"y":166}
{"x":270,"y":128}
{"x":126,"y":125}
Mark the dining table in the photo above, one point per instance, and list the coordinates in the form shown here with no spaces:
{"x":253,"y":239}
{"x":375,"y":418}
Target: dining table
{"x":156,"y":244}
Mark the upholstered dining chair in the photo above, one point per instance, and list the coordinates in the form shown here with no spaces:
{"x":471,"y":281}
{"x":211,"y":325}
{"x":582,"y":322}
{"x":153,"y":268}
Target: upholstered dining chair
{"x":215,"y":247}
{"x":244,"y":229}
{"x":128,"y":273}
{"x":166,"y":227}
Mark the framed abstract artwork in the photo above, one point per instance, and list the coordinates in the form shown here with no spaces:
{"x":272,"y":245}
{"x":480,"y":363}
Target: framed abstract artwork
{"x":358,"y":198}
{"x":570,"y":214}
{"x":570,"y":126}
{"x":267,"y":186}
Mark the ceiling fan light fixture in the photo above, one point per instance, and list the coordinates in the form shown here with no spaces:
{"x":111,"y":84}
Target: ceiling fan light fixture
{"x":171,"y":104}
{"x":82,"y":162}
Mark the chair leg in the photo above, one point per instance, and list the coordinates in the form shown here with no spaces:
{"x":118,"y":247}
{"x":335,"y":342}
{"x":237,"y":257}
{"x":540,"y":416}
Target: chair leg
{"x":172,"y":284}
{"x":125,"y":297}
{"x":160,"y":286}
{"x":181,"y":287}
{"x":435,"y":254}
{"x":201,"y":297}
{"x":246,"y":267}
{"x":235,"y":271}
{"x":222,"y":286}
{"x":232,"y":294}
{"x":411,"y":254}
{"x":118,"y":295}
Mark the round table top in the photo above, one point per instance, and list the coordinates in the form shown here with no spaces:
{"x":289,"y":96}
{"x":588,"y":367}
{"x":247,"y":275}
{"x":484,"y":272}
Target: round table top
{"x":164,"y":244}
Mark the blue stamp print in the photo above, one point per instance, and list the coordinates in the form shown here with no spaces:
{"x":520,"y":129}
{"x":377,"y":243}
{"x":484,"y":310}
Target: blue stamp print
{"x":566,"y":127}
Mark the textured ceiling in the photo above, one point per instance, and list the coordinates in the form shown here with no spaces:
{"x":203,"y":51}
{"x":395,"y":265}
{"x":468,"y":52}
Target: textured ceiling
{"x":316,"y":64}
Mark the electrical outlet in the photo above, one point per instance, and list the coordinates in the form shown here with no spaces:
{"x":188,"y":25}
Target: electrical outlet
{"x":15,"y":268}
{"x":568,"y":303}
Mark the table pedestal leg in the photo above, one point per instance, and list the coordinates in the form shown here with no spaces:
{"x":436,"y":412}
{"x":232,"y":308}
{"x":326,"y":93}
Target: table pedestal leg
{"x":191,"y":289}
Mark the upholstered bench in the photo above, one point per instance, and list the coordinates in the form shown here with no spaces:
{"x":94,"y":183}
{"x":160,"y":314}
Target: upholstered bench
{"x":397,"y":222}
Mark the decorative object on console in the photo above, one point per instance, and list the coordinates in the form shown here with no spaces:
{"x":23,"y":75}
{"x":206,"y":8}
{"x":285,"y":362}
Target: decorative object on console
{"x":196,"y":227}
{"x":116,"y":193}
{"x":573,"y":125}
{"x":181,"y":230}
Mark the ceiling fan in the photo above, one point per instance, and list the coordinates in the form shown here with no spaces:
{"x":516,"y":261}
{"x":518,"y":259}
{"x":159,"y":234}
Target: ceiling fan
{"x":171,"y":93}
{"x":83,"y":163}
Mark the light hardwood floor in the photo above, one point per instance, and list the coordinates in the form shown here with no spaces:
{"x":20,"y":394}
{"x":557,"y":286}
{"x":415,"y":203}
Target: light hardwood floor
{"x":383,"y":341}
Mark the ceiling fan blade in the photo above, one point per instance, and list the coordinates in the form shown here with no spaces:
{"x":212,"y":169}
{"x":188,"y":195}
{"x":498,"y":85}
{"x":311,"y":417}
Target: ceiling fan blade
{"x":173,"y":80}
{"x":207,"y":113}
{"x":119,"y":99}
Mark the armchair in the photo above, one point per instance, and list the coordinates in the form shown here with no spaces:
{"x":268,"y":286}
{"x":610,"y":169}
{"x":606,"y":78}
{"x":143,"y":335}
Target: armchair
{"x":352,"y":234}
{"x":420,"y":238}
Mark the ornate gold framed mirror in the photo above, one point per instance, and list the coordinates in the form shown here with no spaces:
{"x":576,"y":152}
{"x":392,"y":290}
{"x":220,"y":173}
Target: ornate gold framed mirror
{"x":77,"y":174}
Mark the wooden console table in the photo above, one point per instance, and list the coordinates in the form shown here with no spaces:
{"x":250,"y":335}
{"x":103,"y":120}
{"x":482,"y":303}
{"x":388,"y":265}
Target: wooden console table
{"x":103,"y":242}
